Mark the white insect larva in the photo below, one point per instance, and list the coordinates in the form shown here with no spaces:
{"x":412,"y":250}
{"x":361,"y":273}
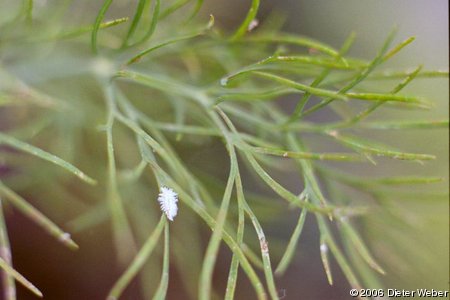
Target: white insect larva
{"x":168,"y":202}
{"x":253,"y":24}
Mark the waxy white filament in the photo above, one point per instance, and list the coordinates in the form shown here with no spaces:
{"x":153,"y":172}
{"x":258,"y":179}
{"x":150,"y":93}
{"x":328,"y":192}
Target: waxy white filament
{"x":168,"y":202}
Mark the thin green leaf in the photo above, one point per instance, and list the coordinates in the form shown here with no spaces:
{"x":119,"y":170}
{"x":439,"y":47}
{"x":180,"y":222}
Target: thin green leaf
{"x":325,"y":261}
{"x":187,"y":129}
{"x":243,"y":28}
{"x":79,"y":31}
{"x":326,"y":237}
{"x":360,"y":76}
{"x":138,"y":261}
{"x":340,"y":258}
{"x":98,"y":21}
{"x":329,"y":63}
{"x":196,"y":9}
{"x":164,"y":283}
{"x":262,"y":239}
{"x":370,"y":148}
{"x":8,"y":284}
{"x":264,"y":246}
{"x":253,"y":140}
{"x":274,"y":184}
{"x":305,"y":98}
{"x":205,"y":281}
{"x":155,"y":18}
{"x":7,"y":268}
{"x":121,"y":227}
{"x":407,"y":80}
{"x":257,"y":95}
{"x":405,"y":180}
{"x":164,"y":83}
{"x":388,"y":75}
{"x":398,"y":48}
{"x":17,"y":144}
{"x":246,"y":117}
{"x":234,"y":266}
{"x":363,"y":114}
{"x":36,"y":216}
{"x":369,"y":278}
{"x":252,"y":256}
{"x":306,"y":155}
{"x":280,"y":190}
{"x":348,"y":230}
{"x":311,"y":184}
{"x":302,"y":87}
{"x":387,"y":97}
{"x":172,"y":8}
{"x":135,"y":21}
{"x":406,"y":124}
{"x":165,"y":152}
{"x":133,"y":174}
{"x":139,"y":56}
{"x":368,"y":183}
{"x":328,"y":241}
{"x":283,"y":38}
{"x":292,"y":245}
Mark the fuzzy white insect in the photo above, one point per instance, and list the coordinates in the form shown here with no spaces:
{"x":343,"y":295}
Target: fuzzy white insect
{"x":253,"y":24}
{"x":168,"y":202}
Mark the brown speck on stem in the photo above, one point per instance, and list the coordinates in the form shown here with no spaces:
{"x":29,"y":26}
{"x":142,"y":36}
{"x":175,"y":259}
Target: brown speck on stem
{"x":134,"y":60}
{"x":333,"y":133}
{"x":264,"y":245}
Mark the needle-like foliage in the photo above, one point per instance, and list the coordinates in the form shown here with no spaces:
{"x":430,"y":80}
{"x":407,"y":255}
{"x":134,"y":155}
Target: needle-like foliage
{"x":132,"y":102}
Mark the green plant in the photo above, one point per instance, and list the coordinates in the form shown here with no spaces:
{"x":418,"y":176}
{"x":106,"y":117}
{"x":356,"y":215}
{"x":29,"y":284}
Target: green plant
{"x":129,"y":103}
